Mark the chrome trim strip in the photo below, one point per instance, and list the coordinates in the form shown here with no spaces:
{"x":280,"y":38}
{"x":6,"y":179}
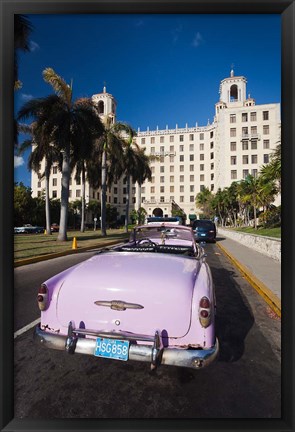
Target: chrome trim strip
{"x":191,"y":358}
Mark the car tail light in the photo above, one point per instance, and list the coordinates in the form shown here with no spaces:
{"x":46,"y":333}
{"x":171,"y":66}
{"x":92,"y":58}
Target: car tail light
{"x":205,"y":312}
{"x":42,"y":297}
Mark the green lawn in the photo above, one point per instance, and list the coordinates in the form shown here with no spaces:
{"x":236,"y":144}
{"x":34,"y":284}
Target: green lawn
{"x":269,"y":232}
{"x":31,"y":245}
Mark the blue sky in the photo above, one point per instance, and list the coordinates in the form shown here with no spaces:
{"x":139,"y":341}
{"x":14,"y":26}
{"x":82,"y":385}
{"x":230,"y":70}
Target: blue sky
{"x":161,"y":69}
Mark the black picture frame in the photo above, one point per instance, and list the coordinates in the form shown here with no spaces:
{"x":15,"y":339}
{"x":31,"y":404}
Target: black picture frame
{"x":286,"y":9}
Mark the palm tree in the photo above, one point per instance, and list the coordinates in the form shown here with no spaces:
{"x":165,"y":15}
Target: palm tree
{"x":203,"y":200}
{"x":136,"y":167}
{"x":272,"y":171}
{"x":67,"y":123}
{"x":42,"y":150}
{"x":22,"y":31}
{"x":108,"y":152}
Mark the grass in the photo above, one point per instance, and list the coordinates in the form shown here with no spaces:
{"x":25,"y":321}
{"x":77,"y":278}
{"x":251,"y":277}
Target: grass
{"x":268,"y":232}
{"x":32,"y":245}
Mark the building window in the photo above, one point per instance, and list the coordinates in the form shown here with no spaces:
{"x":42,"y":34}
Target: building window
{"x":171,"y":168}
{"x":244,"y":117}
{"x":202,"y":156}
{"x":191,"y":178}
{"x":171,"y":158}
{"x":54,"y":182}
{"x":233,"y":132}
{"x":172,"y":189}
{"x":233,"y":174}
{"x":171,"y":138}
{"x":152,"y":150}
{"x":212,"y":187}
{"x":266,"y":130}
{"x":265,"y":158}
{"x":171,"y":179}
{"x":201,"y":147}
{"x":211,"y":145}
{"x":162,"y":189}
{"x":115,"y":200}
{"x":253,"y":116}
{"x":152,"y":190}
{"x":161,"y":139}
{"x":245,"y":173}
{"x":181,"y":188}
{"x":266,"y":144}
{"x":211,"y":155}
{"x":191,"y":167}
{"x":265,"y":115}
{"x":181,"y":138}
{"x":181,"y":168}
{"x":192,"y":198}
{"x":245,"y":160}
{"x":181,"y":199}
{"x":202,"y":167}
{"x":153,"y":180}
{"x":191,"y":158}
{"x":232,"y":118}
{"x":143,"y":190}
{"x":162,"y":179}
{"x":181,"y":148}
{"x":54,"y":170}
{"x":254,"y":172}
{"x":172,"y":148}
{"x":115,"y":190}
{"x":192,"y":188}
{"x":181,"y":158}
{"x":202,"y":177}
{"x":39,"y":184}
{"x":162,"y":169}
{"x":233,"y":160}
{"x":233,"y":146}
{"x":201,"y":136}
{"x":54,"y":194}
{"x":142,"y":140}
{"x":254,"y":145}
{"x":212,"y":176}
{"x":212,"y":166}
{"x":254,"y":159}
{"x":253,"y":130}
{"x":191,"y":147}
{"x":152,"y":140}
{"x":244,"y":131}
{"x":245,"y":145}
{"x":211,"y":134}
{"x":202,"y":187}
{"x":181,"y":179}
{"x":191,"y":137}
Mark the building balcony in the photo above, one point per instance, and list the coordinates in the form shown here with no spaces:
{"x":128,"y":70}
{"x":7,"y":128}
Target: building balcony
{"x":253,"y":136}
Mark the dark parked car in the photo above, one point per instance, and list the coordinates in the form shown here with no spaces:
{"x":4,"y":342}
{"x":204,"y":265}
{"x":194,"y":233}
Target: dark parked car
{"x":54,"y":227}
{"x":204,"y":230}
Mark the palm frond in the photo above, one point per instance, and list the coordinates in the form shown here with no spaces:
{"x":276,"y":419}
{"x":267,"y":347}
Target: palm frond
{"x":58,"y":84}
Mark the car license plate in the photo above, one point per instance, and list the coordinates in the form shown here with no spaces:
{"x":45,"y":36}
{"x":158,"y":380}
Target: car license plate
{"x":112,"y":348}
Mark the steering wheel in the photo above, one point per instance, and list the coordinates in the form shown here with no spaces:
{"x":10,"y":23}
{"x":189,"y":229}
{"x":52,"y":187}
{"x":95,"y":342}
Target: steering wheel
{"x":146,"y":242}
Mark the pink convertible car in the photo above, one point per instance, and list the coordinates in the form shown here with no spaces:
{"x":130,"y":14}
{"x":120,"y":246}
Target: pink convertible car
{"x":151,"y":299}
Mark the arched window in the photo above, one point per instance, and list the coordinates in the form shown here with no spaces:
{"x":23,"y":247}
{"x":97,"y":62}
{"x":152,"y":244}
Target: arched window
{"x":234,"y":93}
{"x":101,"y":107}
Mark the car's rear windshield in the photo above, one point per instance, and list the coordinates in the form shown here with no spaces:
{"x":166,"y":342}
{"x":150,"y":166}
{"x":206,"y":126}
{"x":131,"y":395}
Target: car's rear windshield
{"x":203,"y":224}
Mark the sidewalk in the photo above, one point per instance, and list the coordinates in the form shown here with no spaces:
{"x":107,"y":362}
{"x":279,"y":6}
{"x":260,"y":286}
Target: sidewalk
{"x":262,"y":272}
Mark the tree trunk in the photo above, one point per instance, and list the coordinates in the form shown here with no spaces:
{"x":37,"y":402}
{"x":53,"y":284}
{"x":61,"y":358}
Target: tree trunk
{"x":103,"y":193}
{"x":65,"y":184}
{"x":127,"y":203}
{"x":83,"y":201}
{"x":47,"y":201}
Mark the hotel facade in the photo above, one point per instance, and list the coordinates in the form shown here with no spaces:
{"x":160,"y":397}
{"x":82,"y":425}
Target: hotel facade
{"x":238,"y":142}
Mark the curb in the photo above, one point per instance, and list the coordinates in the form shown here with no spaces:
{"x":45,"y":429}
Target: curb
{"x":271,"y":299}
{"x":39,"y":258}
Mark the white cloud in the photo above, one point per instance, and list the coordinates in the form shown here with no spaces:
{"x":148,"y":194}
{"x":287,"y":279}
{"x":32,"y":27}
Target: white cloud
{"x":26,"y":97}
{"x":18,"y":161}
{"x":198,"y":39}
{"x":34,"y":46}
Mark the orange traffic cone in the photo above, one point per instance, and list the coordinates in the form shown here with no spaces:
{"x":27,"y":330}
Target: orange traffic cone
{"x":74,"y":244}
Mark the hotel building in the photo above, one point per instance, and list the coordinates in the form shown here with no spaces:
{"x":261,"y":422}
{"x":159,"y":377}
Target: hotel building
{"x":238,"y":142}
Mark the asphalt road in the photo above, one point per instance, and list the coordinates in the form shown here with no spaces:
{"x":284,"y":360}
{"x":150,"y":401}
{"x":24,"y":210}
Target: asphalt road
{"x":245,"y":382}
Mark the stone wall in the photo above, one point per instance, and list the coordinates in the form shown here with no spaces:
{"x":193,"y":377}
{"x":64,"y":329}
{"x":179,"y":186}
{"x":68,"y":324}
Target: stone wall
{"x":267,"y":245}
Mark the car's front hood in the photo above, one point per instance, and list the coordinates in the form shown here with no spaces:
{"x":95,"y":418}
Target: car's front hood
{"x":154,"y":291}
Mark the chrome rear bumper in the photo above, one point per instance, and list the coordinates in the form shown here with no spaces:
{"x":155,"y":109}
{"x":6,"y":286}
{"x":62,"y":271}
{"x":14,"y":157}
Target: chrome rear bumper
{"x":155,"y":354}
